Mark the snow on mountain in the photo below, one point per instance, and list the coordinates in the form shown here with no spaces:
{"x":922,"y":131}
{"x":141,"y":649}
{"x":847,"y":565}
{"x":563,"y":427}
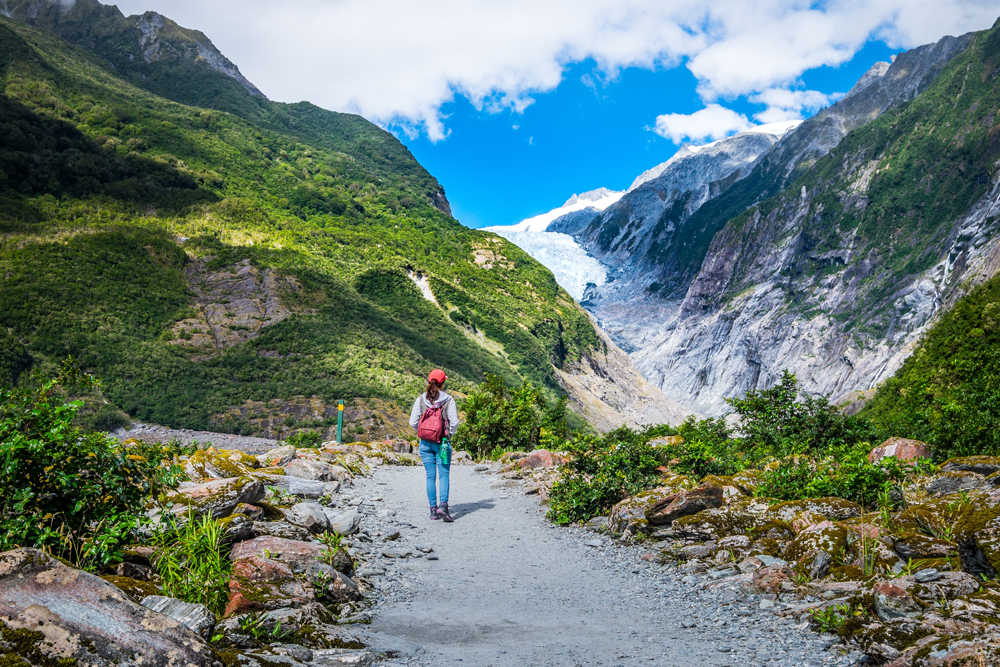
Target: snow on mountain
{"x":779,"y":130}
{"x":600,"y":199}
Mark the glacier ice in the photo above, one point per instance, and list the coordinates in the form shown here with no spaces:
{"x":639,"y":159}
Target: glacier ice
{"x":572,"y":267}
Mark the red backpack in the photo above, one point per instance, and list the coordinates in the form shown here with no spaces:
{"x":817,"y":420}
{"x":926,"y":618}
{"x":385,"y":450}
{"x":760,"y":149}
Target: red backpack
{"x":432,"y":421}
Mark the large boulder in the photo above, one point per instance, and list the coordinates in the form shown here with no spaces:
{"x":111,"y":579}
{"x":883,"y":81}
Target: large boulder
{"x":902,"y":449}
{"x":630,"y":514}
{"x":541,"y":458}
{"x":826,"y":536}
{"x":297,"y":555}
{"x":52,"y":614}
{"x":260,"y":583}
{"x":834,"y":509}
{"x":664,"y":511}
{"x":218,"y":497}
{"x":295,"y":486}
{"x":195,"y":617}
{"x":314,"y":469}
{"x":219,"y":464}
{"x":277,"y":457}
{"x":918,"y":546}
{"x":715,"y":524}
{"x":309,"y":516}
{"x":280,"y":529}
{"x":344,"y":523}
{"x":947,"y":483}
{"x":894,"y":601}
{"x":983,"y":465}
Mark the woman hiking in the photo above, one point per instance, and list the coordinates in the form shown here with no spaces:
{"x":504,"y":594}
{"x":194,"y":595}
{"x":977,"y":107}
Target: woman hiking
{"x":435,"y":418}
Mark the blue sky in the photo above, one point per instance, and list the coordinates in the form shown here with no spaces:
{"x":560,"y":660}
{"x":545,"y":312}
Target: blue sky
{"x":493,"y":97}
{"x":578,"y":137}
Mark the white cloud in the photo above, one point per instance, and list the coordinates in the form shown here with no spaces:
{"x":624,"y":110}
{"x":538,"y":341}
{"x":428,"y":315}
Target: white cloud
{"x":711,"y":123}
{"x":785,"y":104}
{"x":401,"y":60}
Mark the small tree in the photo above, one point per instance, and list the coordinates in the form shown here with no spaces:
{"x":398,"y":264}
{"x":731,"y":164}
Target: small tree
{"x":71,"y":493}
{"x":498,"y":417}
{"x":778,"y":421}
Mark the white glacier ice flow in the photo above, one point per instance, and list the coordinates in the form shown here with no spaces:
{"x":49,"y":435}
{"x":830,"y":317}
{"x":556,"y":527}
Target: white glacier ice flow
{"x":572,"y":267}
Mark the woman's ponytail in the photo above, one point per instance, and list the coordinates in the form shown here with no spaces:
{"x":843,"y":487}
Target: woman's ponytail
{"x":433,"y":391}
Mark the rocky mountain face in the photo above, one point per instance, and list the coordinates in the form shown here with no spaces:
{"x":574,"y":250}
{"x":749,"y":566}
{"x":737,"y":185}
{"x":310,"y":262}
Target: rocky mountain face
{"x":836,"y":277}
{"x":150,"y":50}
{"x":689,"y":293}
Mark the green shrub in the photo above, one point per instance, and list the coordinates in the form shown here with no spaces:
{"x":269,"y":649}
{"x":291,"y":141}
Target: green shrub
{"x":192,"y":565}
{"x":780,"y":422}
{"x":708,"y":449}
{"x":844,"y":473}
{"x":604,"y":471}
{"x":76,"y":495}
{"x":305,"y":439}
{"x":498,"y":417}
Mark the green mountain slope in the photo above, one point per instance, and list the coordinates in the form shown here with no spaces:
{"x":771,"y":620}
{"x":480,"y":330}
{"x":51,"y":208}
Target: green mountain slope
{"x":948,"y":392}
{"x":197,"y":260}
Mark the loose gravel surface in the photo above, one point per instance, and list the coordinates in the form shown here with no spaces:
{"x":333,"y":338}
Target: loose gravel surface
{"x":502,"y":586}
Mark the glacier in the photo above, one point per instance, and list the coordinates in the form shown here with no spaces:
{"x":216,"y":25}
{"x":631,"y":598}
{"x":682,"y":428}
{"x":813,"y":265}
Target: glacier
{"x":573,"y":267}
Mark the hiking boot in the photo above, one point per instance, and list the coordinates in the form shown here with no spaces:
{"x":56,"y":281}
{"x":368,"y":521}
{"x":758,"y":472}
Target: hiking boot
{"x":434,"y":513}
{"x":442,"y":512}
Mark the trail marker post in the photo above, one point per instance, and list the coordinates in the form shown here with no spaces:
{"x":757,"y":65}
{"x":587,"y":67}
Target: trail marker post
{"x":340,"y":422}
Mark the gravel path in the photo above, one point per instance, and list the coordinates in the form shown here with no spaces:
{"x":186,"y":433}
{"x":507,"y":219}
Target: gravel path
{"x":508,"y":588}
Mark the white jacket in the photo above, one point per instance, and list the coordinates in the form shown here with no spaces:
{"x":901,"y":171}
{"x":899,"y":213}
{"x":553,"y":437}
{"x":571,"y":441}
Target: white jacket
{"x":450,"y":412}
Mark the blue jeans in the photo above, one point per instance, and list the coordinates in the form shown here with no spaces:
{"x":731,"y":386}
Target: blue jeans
{"x":435,"y":469}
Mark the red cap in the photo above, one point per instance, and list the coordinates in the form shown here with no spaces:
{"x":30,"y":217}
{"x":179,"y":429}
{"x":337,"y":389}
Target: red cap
{"x":437,"y":375}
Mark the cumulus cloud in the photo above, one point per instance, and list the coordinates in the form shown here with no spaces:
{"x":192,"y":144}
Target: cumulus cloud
{"x":785,"y":104}
{"x":402,"y":60}
{"x":711,"y":123}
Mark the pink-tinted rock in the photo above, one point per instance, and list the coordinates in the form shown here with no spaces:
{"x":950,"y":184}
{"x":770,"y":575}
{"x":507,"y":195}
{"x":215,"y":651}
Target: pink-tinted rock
{"x":541,"y":458}
{"x":893,"y":601}
{"x":685,"y":503}
{"x":297,"y":555}
{"x":772,"y":579}
{"x":262,"y":583}
{"x":67,"y":616}
{"x":902,"y":448}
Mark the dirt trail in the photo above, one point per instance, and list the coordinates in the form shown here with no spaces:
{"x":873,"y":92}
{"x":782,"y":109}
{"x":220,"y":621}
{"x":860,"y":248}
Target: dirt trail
{"x":511,"y":589}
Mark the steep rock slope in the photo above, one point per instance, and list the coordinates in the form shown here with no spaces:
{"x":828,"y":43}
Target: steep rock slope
{"x":198,"y":260}
{"x":836,"y":277}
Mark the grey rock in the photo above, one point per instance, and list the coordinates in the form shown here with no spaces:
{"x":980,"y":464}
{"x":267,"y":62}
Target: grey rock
{"x":310,"y":516}
{"x":196,"y":617}
{"x":85,"y":620}
{"x":280,"y":529}
{"x":771,"y":561}
{"x":397,"y":553}
{"x":337,"y":587}
{"x":295,"y":486}
{"x":345,"y":523}
{"x":594,"y":543}
{"x":820,"y":565}
{"x":927,"y":575}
